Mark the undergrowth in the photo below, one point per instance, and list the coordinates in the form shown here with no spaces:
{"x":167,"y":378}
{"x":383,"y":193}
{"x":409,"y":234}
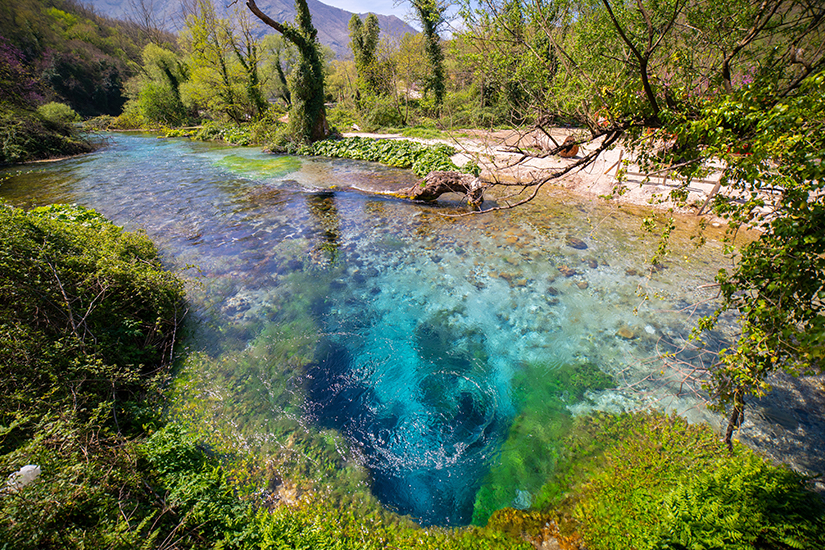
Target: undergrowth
{"x":421,"y":158}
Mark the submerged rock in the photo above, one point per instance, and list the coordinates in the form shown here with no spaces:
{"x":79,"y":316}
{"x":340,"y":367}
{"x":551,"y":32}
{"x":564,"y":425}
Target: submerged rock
{"x":567,"y":271}
{"x":626,"y":332}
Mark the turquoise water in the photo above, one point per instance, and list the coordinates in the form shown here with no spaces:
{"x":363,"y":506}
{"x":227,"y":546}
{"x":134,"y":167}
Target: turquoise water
{"x":422,"y":321}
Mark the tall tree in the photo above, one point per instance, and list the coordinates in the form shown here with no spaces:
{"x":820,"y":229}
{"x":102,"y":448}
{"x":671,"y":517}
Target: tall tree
{"x":247,"y":52}
{"x":431,"y":15}
{"x":210,"y":40}
{"x":307,"y":115}
{"x":364,"y":44}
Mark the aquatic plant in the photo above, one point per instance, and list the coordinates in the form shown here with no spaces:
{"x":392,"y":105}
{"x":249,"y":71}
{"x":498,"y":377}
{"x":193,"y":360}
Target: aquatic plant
{"x":534,"y":446}
{"x":422,"y":159}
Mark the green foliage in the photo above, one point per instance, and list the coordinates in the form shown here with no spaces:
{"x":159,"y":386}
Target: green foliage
{"x":662,"y":483}
{"x":58,"y":114}
{"x":364,"y":45}
{"x":87,"y":319}
{"x":307,"y":115}
{"x":230,"y":133}
{"x":92,"y":301}
{"x":196,"y":489}
{"x":25,"y":136}
{"x":422,"y":159}
{"x":318,"y":526}
{"x":431,"y":15}
{"x":529,"y":458}
{"x":775,"y":286}
{"x":76,"y":56}
{"x":380,"y":112}
{"x":741,"y":505}
{"x":155,"y":96}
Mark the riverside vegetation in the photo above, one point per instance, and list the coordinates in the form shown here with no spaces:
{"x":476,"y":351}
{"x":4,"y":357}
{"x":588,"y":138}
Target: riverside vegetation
{"x":89,"y":316}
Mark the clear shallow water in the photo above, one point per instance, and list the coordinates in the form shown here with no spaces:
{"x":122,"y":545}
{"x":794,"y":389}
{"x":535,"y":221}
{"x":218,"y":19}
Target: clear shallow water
{"x":424,"y":324}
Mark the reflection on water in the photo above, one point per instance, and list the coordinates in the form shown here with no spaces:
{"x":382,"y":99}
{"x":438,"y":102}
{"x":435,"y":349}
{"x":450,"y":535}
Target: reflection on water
{"x":423,"y":321}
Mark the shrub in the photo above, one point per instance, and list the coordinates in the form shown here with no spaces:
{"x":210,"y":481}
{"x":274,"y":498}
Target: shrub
{"x":380,"y":112}
{"x":26,"y":136}
{"x":663,"y":483}
{"x":87,"y":311}
{"x":58,"y":114}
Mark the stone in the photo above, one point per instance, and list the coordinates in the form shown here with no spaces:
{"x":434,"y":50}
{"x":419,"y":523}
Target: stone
{"x":592,"y":263}
{"x":520,"y":282}
{"x":576,"y":243}
{"x":626,"y":332}
{"x":582,"y":284}
{"x":567,"y":271}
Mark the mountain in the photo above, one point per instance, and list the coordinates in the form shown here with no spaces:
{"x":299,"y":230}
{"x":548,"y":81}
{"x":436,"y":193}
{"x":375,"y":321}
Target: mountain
{"x":330,"y":21}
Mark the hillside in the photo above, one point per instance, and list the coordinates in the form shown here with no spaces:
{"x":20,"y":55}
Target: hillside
{"x":330,"y":21}
{"x":70,"y":53}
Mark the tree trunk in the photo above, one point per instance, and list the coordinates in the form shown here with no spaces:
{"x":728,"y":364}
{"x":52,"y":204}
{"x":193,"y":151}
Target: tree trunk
{"x":438,"y":183}
{"x":307,"y":116}
{"x":736,"y":418}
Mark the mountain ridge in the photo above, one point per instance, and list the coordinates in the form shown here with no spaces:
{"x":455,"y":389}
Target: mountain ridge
{"x":331,"y":22}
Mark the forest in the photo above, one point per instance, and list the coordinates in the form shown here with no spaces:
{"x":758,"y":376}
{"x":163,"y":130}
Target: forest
{"x":89,"y":318}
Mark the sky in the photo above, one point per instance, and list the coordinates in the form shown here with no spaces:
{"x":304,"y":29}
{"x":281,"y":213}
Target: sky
{"x":399,"y":8}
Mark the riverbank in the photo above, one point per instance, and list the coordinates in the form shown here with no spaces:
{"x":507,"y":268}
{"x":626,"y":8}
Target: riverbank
{"x":514,"y":157}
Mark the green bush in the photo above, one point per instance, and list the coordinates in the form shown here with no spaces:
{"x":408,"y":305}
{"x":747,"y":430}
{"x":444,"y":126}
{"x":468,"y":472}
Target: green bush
{"x":87,"y":318}
{"x":662,"y":483}
{"x":341,"y":118}
{"x":740,"y":505}
{"x":380,"y":112}
{"x":86,"y":311}
{"x":26,"y":136}
{"x":230,"y":133}
{"x":58,"y":114}
{"x":131,"y":118}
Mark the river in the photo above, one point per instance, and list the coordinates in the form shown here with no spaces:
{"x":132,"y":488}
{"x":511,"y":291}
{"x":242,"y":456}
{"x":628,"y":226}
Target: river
{"x":401,"y":342}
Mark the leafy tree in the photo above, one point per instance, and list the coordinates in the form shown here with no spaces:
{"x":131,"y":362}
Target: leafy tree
{"x":431,"y":16}
{"x":215,"y":81}
{"x":279,"y":59}
{"x":686,"y":85}
{"x":247,"y":52}
{"x":156,"y":96}
{"x":364,"y":44}
{"x":307,"y":117}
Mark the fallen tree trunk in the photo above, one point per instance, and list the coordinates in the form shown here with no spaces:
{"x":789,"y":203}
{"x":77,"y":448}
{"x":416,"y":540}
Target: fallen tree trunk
{"x":438,"y":183}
